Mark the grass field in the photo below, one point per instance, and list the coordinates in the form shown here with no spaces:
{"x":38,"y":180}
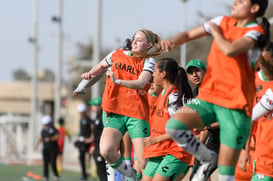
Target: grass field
{"x":19,"y":173}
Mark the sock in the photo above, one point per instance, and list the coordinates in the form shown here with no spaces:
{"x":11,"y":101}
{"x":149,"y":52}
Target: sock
{"x":187,"y":140}
{"x":111,"y":173}
{"x":226,"y":177}
{"x":226,"y":173}
{"x":59,"y":169}
{"x":139,"y":176}
{"x":226,"y":170}
{"x":121,"y":166}
{"x":128,"y":161}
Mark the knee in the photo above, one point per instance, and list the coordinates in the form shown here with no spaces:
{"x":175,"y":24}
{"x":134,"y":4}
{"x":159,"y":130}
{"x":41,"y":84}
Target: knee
{"x":106,"y":152}
{"x":171,"y":132}
{"x":174,"y":128}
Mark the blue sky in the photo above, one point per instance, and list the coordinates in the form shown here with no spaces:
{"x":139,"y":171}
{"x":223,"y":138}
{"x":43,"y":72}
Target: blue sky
{"x":120,"y":19}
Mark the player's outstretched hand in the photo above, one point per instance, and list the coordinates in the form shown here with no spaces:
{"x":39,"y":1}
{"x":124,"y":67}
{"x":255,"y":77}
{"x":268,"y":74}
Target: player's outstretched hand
{"x":87,"y":76}
{"x":166,"y":45}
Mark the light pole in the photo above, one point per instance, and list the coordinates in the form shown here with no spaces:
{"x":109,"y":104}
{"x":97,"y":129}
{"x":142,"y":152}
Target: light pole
{"x":183,"y":48}
{"x":34,"y":41}
{"x":97,"y":45}
{"x":58,"y":73}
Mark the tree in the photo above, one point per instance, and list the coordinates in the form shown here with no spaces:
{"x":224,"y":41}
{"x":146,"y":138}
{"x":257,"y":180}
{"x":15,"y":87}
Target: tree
{"x":85,"y":51}
{"x":21,"y":75}
{"x":46,"y":75}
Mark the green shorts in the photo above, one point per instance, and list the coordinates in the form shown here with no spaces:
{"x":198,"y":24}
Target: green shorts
{"x":234,"y":123}
{"x":136,"y":128}
{"x":260,"y":177}
{"x":166,"y":166}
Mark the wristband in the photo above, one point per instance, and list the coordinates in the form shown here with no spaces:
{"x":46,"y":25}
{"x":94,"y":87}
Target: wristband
{"x":117,"y":81}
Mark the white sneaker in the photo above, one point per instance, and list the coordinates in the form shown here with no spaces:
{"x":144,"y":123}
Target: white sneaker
{"x":132,"y":177}
{"x":206,"y":169}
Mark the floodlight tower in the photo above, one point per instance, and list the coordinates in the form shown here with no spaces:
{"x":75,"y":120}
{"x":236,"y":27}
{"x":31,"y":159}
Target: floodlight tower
{"x":183,"y":48}
{"x":97,"y":45}
{"x":34,"y":41}
{"x":58,"y":72}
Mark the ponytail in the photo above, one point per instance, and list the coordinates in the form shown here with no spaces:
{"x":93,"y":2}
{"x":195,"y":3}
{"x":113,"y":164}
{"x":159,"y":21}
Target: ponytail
{"x":184,"y":89}
{"x":263,"y":39}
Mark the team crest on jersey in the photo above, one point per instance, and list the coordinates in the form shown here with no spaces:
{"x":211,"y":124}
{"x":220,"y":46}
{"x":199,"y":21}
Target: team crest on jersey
{"x":259,"y":88}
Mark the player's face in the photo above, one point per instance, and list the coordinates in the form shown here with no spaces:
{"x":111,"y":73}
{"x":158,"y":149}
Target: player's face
{"x":140,"y":43}
{"x":96,"y":109}
{"x":241,"y":9}
{"x":155,"y":89}
{"x":268,"y":56}
{"x":195,"y":75}
{"x":157,"y":76}
{"x":266,"y":62}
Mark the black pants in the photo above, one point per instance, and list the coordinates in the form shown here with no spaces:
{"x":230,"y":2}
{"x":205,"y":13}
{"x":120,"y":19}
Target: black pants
{"x":212,"y":143}
{"x":83,"y":149}
{"x":50,"y":156}
{"x":100,"y":164}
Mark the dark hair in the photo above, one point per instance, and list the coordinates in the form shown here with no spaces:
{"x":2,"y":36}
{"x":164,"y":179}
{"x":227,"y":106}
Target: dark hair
{"x":265,"y":65}
{"x":177,"y":76}
{"x":263,"y":39}
{"x":269,"y":47}
{"x":127,"y":44}
{"x":61,"y":121}
{"x":263,"y":6}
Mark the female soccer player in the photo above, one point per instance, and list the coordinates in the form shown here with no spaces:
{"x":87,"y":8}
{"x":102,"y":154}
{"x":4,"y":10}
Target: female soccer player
{"x":125,"y":98}
{"x":227,"y":91}
{"x":167,"y":161}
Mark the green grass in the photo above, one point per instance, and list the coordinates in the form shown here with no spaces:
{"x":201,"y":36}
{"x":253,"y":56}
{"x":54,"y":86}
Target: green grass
{"x":18,"y":172}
